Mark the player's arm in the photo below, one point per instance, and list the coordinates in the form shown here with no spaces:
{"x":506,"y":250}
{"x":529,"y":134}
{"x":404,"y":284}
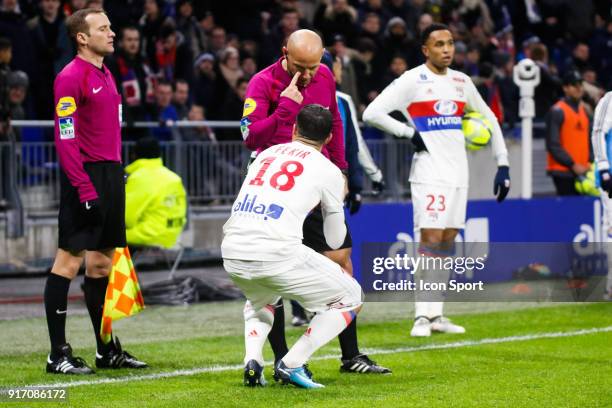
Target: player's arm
{"x":602,"y":122}
{"x":336,"y":147}
{"x":501,"y":183}
{"x":257,"y":126}
{"x":332,"y":198}
{"x":601,"y":125}
{"x":67,"y":97}
{"x":396,"y":96}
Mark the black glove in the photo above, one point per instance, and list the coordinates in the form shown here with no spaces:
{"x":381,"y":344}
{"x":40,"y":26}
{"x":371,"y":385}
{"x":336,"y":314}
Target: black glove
{"x":378,"y":187}
{"x":417,"y":142}
{"x":353,"y":202}
{"x":605,"y":180}
{"x":91,"y":212}
{"x":501,"y":185}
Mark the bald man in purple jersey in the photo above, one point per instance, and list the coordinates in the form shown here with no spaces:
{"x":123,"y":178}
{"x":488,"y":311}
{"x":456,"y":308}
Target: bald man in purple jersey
{"x":274,"y":97}
{"x":92,"y":199}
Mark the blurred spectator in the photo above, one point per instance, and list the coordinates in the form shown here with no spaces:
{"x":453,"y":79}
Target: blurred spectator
{"x":200,"y":133}
{"x":134,"y":78}
{"x":579,"y":23}
{"x":548,"y":91}
{"x":205,"y":82}
{"x":472,"y":62}
{"x":336,"y":17}
{"x":188,"y":26}
{"x":349,"y":74}
{"x":476,"y":12}
{"x":150,"y":26}
{"x":367,"y":71}
{"x":509,"y":92}
{"x":579,"y":59}
{"x":164,"y":110}
{"x":73,"y":5}
{"x":397,"y":67}
{"x":13,"y":26}
{"x":600,"y":46}
{"x":52,"y":49}
{"x":180,"y":98}
{"x":374,"y":7}
{"x":371,"y":28}
{"x":153,"y":216}
{"x":232,"y":109}
{"x":218,"y":40}
{"x":403,"y":10}
{"x":567,"y":139}
{"x":173,"y":57}
{"x":123,"y":13}
{"x":276,"y":37}
{"x":5,"y":72}
{"x":460,"y":60}
{"x":489,"y":90}
{"x":248,"y":66}
{"x":230,"y":66}
{"x":17,"y":83}
{"x":398,"y":42}
{"x":424,"y":21}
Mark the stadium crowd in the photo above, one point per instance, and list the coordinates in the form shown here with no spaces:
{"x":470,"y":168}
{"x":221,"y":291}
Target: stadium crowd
{"x":187,"y":59}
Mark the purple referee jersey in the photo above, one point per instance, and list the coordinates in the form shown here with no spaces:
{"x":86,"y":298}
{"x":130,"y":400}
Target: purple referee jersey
{"x":268,"y":118}
{"x":87,"y":121}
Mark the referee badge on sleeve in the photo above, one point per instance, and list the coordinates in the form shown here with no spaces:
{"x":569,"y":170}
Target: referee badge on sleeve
{"x":65,"y":106}
{"x":249,"y":107}
{"x":66,"y":128}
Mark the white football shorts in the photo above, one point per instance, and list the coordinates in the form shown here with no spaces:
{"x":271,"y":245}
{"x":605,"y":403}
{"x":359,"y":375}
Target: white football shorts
{"x":438,"y":207}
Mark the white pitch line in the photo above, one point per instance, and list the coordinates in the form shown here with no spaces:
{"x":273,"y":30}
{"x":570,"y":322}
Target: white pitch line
{"x":217,"y":368}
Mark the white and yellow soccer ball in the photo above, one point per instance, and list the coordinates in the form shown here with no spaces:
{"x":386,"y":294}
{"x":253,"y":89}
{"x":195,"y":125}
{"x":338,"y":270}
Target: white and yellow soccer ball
{"x":586,"y":184}
{"x":477,"y":130}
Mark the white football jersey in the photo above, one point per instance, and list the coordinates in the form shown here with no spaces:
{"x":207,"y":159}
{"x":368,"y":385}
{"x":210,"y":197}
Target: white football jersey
{"x":434,"y":105}
{"x":282,"y":186}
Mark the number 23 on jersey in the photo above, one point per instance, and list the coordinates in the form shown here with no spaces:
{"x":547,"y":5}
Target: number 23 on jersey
{"x":284,"y":179}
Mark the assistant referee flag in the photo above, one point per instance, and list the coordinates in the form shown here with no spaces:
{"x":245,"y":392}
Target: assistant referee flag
{"x":123,"y":296}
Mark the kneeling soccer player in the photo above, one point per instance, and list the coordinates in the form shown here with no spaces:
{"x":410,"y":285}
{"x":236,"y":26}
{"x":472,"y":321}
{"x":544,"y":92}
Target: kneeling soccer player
{"x":263,"y":251}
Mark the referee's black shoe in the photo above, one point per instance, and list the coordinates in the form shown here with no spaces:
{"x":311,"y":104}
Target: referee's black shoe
{"x":66,"y":363}
{"x":362,"y":364}
{"x":116,"y":357}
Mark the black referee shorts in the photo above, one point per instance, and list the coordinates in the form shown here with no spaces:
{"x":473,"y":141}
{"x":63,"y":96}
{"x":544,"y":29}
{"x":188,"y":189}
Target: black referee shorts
{"x":313,"y":233}
{"x":75,"y":234}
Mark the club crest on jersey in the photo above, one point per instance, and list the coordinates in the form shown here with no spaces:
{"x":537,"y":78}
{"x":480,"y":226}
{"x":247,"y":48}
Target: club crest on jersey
{"x":446,"y":107}
{"x":65,"y":106}
{"x":250,"y":206}
{"x":423,"y":79}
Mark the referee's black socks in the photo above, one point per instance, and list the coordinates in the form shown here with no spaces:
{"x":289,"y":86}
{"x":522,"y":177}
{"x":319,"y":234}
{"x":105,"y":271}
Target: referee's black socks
{"x":276,"y":337}
{"x":95,"y":291}
{"x":56,"y":302}
{"x":348,"y":341}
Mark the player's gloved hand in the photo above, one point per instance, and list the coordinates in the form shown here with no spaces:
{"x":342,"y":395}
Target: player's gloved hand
{"x":501,"y":185}
{"x":605,"y":180}
{"x":378,"y":187}
{"x":353,"y":202}
{"x":417,"y":142}
{"x":91,"y":212}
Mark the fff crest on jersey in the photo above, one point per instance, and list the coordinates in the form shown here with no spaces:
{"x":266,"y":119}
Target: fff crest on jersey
{"x":446,"y":107}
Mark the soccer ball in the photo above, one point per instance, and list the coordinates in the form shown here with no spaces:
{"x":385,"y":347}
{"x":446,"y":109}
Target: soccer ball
{"x":477,"y":130}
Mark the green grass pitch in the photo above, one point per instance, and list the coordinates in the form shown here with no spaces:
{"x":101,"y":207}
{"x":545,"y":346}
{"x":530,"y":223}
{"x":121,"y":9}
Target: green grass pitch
{"x":512,"y":355}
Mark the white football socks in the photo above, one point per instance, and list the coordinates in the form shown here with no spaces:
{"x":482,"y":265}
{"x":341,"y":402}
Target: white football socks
{"x":323,"y":328}
{"x":257,"y":326}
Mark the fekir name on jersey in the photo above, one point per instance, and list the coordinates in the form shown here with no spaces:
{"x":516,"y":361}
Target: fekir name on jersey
{"x":282,"y":186}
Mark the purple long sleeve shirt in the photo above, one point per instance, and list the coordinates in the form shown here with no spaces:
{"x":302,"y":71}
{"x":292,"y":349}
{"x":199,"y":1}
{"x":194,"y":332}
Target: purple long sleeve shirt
{"x":268,"y":118}
{"x":87,"y":121}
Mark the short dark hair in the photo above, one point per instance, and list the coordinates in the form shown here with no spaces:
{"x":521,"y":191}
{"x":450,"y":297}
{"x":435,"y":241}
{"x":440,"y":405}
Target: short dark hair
{"x":76,"y":23}
{"x":129,"y":27}
{"x":5,"y":44}
{"x":430,"y":29}
{"x":147,"y":148}
{"x":179,"y":81}
{"x":314,"y":122}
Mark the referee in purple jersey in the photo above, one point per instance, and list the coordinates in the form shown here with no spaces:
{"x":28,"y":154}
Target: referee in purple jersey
{"x":92,"y":198}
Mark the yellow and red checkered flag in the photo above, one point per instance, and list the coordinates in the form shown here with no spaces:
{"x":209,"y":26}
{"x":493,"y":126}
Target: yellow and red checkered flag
{"x":123,"y":296}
